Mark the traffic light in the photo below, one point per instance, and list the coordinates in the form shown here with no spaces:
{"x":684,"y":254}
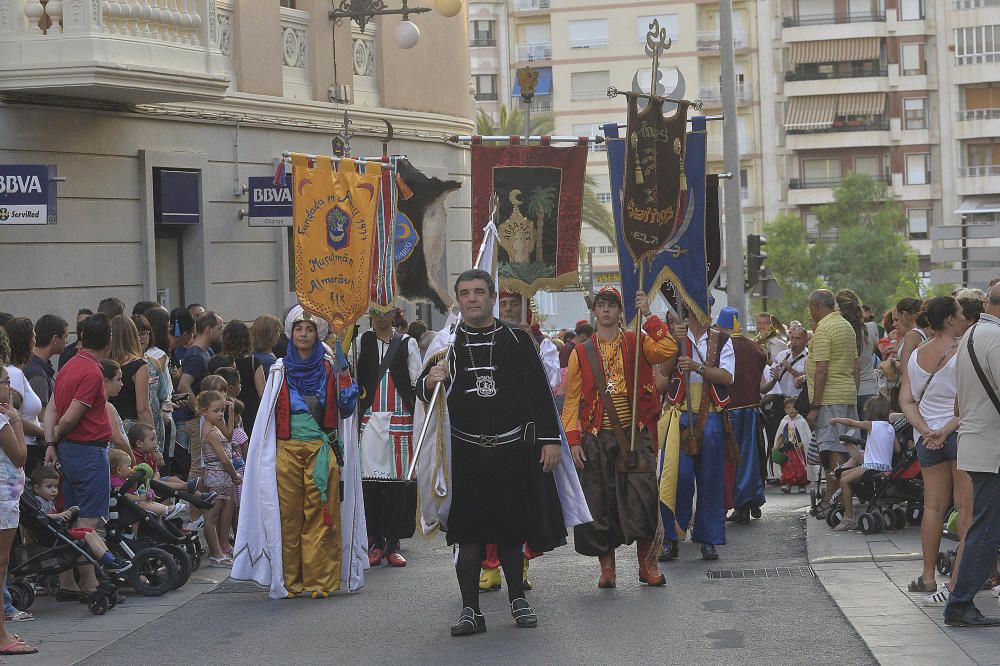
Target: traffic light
{"x":755,"y":258}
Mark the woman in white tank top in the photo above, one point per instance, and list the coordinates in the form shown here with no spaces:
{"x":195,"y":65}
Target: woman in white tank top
{"x":927,"y":397}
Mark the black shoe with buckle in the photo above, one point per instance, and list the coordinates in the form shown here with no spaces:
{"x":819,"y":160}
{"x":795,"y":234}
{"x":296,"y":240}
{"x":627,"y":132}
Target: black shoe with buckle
{"x":524,"y":617}
{"x":708,"y":552}
{"x":755,"y":512}
{"x":471,"y":622}
{"x":669,"y":551}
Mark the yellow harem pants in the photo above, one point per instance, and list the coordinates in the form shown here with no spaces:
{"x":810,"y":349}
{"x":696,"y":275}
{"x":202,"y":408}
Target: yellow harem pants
{"x":310,"y":549}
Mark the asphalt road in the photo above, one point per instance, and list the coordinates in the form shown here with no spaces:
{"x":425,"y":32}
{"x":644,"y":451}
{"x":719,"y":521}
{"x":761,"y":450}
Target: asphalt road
{"x":402,"y":615}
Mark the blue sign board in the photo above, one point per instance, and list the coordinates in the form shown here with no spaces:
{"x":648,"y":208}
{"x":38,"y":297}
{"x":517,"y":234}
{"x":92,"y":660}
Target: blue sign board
{"x":270,"y":204}
{"x":24,"y":194}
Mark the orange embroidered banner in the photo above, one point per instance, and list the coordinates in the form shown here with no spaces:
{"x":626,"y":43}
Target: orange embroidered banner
{"x":334,"y":223}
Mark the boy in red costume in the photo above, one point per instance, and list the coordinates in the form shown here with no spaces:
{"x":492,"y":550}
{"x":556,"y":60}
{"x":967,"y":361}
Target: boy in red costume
{"x":601,"y":374}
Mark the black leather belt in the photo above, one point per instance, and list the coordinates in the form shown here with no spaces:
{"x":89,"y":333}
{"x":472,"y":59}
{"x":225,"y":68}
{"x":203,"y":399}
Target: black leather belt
{"x":489,"y":441}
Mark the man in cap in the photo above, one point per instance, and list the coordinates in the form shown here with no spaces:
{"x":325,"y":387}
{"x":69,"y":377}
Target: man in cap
{"x":597,"y":414}
{"x":744,"y":481}
{"x":707,"y":358}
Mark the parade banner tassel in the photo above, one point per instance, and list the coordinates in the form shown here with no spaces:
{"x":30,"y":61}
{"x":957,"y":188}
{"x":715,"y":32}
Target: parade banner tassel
{"x":334,"y":211}
{"x":539,"y":191}
{"x":678,"y":255}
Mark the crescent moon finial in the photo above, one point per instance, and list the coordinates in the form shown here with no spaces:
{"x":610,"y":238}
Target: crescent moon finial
{"x":514,"y":196}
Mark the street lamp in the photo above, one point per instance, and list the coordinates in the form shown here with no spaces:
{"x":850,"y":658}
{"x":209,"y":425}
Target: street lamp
{"x":406,"y":34}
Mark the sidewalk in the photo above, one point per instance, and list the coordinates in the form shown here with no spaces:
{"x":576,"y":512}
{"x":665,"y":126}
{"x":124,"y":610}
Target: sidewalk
{"x":67,"y":632}
{"x":867,"y":576}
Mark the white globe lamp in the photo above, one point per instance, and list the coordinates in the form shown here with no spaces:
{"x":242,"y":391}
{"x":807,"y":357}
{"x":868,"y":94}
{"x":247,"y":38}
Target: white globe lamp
{"x":406,"y":34}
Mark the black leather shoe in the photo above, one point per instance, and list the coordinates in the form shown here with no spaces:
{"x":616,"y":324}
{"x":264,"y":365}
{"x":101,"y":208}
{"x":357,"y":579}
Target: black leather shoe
{"x":972,"y":618}
{"x":708,"y":552}
{"x":669,"y":551}
{"x":524,"y":617}
{"x":469,"y":623}
{"x":755,"y":512}
{"x":743,"y":517}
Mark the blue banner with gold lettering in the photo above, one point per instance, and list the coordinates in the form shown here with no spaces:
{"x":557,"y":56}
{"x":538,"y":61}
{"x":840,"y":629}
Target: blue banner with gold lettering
{"x":681,"y":260}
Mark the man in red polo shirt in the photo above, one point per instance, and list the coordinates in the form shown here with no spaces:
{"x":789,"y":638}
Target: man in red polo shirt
{"x":77,"y":434}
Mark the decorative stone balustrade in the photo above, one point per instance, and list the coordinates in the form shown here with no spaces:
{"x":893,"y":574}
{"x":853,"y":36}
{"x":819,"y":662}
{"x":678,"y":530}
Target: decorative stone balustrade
{"x":118,"y":50}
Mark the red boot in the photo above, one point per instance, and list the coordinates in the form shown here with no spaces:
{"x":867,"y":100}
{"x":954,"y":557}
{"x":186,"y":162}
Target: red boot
{"x":607,"y":561}
{"x":649,"y":571}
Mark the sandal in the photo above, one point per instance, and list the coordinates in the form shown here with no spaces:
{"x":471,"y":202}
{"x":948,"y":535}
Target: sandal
{"x":224,"y":561}
{"x":19,"y":616}
{"x":845,"y":525}
{"x":919,"y":585}
{"x":16,"y":647}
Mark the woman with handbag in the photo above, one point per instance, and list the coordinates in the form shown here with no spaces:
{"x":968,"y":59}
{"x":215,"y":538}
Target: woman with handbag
{"x":927,"y":398}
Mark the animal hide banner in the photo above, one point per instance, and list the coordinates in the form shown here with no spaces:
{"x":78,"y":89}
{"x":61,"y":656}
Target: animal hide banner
{"x":421,"y":237}
{"x":333,"y":218}
{"x":540,"y":194}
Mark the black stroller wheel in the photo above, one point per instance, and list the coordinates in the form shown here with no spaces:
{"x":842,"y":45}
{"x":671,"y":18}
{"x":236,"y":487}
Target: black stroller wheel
{"x":915,"y":513}
{"x":193,"y":551}
{"x":943,"y":564}
{"x":22,"y":595}
{"x":183,"y":561}
{"x":834,"y":516}
{"x":899,"y":517}
{"x":52,"y":585}
{"x":153,"y":572}
{"x":888,"y":520}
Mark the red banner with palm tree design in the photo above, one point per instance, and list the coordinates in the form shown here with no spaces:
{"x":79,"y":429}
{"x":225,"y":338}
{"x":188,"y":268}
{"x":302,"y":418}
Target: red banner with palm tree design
{"x":539,"y":193}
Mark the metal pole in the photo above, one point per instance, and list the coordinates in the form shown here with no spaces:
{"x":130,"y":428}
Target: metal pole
{"x":736,"y":296}
{"x":590,"y":267}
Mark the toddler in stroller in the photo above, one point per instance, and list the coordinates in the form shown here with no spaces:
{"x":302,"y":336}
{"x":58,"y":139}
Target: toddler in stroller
{"x":46,"y":547}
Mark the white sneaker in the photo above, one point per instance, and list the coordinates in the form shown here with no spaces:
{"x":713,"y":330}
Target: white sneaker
{"x":195,"y":525}
{"x":939,"y":598}
{"x":176,"y":510}
{"x":996,"y":591}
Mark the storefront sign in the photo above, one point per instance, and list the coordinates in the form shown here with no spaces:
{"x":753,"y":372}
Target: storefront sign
{"x":270,"y":204}
{"x":24,"y":194}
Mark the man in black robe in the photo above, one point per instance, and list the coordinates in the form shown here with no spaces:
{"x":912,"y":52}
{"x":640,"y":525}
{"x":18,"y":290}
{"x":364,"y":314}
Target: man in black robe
{"x":505,"y":443}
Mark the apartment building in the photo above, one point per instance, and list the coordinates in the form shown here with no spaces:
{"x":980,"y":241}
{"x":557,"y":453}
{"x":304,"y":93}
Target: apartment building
{"x":900,"y":90}
{"x":150,"y":115}
{"x":581,"y":48}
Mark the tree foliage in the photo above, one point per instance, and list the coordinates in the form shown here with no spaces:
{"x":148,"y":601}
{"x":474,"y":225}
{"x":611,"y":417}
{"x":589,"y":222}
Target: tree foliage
{"x":862,"y":246}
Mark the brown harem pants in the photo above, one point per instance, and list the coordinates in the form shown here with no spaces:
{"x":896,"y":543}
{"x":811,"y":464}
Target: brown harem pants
{"x":623,"y":506}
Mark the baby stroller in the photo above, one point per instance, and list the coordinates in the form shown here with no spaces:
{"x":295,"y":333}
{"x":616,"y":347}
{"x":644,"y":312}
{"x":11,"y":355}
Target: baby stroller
{"x":163,"y":556}
{"x":890,"y":500}
{"x":54,"y":551}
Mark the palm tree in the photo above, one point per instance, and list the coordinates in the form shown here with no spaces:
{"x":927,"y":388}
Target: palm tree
{"x":510,"y":122}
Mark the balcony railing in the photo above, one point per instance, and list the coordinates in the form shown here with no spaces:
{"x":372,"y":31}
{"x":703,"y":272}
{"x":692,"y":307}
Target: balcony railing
{"x":531,"y":5}
{"x":815,"y":183}
{"x":975,"y":4}
{"x":977,"y":58}
{"x":852,"y":72}
{"x":473,"y":43}
{"x":979,"y":171}
{"x":599,"y":43}
{"x":532,"y":51}
{"x":979,"y":114}
{"x":829,"y":19}
{"x":879,"y":124}
{"x":539,"y":104}
{"x":709,"y":40}
{"x":714,"y":95}
{"x":139,"y":51}
{"x":587,"y":95}
{"x":486,"y":97}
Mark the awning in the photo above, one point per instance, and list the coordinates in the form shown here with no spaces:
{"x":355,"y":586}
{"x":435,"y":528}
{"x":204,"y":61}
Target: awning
{"x":815,"y":112}
{"x":834,"y":50}
{"x":978,"y":205}
{"x":861,"y":104}
{"x":544,"y":86}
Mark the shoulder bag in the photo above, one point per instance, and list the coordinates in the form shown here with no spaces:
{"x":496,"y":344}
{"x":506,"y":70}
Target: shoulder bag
{"x":980,"y":373}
